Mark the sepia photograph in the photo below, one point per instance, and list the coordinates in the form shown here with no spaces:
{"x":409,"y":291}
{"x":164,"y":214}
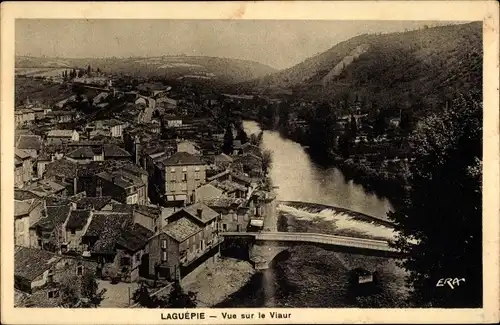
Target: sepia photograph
{"x":232,"y":163}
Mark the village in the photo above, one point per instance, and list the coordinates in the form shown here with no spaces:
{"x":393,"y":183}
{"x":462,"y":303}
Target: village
{"x":129,"y":181}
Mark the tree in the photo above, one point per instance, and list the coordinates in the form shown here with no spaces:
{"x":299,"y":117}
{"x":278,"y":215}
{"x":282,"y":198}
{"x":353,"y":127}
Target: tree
{"x":440,"y":220}
{"x":180,"y":299}
{"x":227,"y":146}
{"x":89,"y":291}
{"x":177,"y":298}
{"x":89,"y":70}
{"x":266,"y":161}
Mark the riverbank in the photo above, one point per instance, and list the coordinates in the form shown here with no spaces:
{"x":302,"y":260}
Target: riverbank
{"x":218,"y":281}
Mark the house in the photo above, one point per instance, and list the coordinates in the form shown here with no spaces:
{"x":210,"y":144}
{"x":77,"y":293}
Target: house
{"x":26,"y":213}
{"x":23,"y":168}
{"x":31,"y":144}
{"x":63,"y":171}
{"x":39,"y":112}
{"x":191,"y":233}
{"x":112,"y":128}
{"x":249,"y":163}
{"x":250,"y":148}
{"x":237,"y":147}
{"x":223,"y":161}
{"x":40,"y":273}
{"x":189,"y":147}
{"x":118,"y":244}
{"x":48,"y":233}
{"x":61,"y":116}
{"x":113,"y":151}
{"x":24,"y":116}
{"x":233,"y":176}
{"x":94,"y":203}
{"x":74,"y":228}
{"x":85,"y":155}
{"x":235,"y":215}
{"x":45,"y":187}
{"x":122,"y":186}
{"x":207,"y":192}
{"x":62,"y":136}
{"x":172,"y":121}
{"x":231,"y":189}
{"x":182,"y":173}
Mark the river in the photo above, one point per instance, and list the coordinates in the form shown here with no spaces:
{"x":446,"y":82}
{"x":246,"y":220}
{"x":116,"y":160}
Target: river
{"x":298,"y":178}
{"x":308,"y":276}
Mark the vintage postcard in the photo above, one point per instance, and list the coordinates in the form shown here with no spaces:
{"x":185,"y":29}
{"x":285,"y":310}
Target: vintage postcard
{"x":250,"y":162}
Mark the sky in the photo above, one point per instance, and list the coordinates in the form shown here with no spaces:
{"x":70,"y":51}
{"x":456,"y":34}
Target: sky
{"x":278,"y":43}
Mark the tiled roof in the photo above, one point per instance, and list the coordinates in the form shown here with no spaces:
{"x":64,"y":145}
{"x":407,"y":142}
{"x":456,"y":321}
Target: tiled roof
{"x":78,"y":219}
{"x":62,"y":167}
{"x":107,"y":228}
{"x":29,"y":142}
{"x":181,"y":229}
{"x":83,"y":152}
{"x":29,"y":263}
{"x":182,"y":158}
{"x":60,"y":133}
{"x":229,"y":186}
{"x":96,"y":203}
{"x":24,"y":195}
{"x":45,"y":187}
{"x":56,"y":215}
{"x":22,"y":208}
{"x":112,"y":150}
{"x":234,"y":174}
{"x":22,"y":154}
{"x":224,"y":202}
{"x":207,"y":213}
{"x":134,"y":237}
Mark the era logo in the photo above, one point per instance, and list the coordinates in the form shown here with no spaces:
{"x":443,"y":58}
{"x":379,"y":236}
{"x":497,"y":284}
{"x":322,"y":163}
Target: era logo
{"x":451,"y":282}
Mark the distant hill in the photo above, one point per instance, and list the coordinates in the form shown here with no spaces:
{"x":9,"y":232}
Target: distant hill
{"x":198,"y":67}
{"x":387,"y":68}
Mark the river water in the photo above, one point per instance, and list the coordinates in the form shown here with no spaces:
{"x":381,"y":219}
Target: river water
{"x":308,"y":276}
{"x":299,"y":179}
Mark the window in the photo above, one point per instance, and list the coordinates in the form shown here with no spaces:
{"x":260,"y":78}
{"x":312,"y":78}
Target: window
{"x":184,"y":177}
{"x":20,"y":226}
{"x":197,"y":169}
{"x":54,"y":293}
{"x":172,"y":170}
{"x":224,"y":227}
{"x":197,"y":175}
{"x":79,"y":269}
{"x":125,"y":261}
{"x":184,"y":169}
{"x":235,"y":216}
{"x":184,"y":187}
{"x":172,"y":177}
{"x":164,"y":256}
{"x":164,"y":244}
{"x":73,"y":231}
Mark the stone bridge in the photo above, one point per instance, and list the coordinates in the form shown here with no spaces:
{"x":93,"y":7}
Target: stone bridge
{"x":264,"y":246}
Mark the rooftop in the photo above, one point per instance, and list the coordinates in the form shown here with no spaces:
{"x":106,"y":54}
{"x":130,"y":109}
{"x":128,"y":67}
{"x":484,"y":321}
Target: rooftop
{"x":78,"y":219}
{"x":45,"y":187}
{"x":55,"y":216}
{"x":60,"y":133}
{"x":229,"y":186}
{"x":207,"y":214}
{"x":62,"y":167}
{"x":22,"y":208}
{"x":96,"y":203}
{"x":29,"y":142}
{"x":29,"y":263}
{"x":224,"y":202}
{"x":181,"y":229}
{"x":182,"y":159}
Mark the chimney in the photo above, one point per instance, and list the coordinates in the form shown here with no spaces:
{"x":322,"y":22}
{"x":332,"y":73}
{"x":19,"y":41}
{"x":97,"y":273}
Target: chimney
{"x":199,"y":212}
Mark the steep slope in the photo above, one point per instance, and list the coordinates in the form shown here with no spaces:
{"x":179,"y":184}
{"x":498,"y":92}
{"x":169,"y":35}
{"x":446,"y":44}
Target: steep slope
{"x":199,"y":67}
{"x":425,"y":63}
